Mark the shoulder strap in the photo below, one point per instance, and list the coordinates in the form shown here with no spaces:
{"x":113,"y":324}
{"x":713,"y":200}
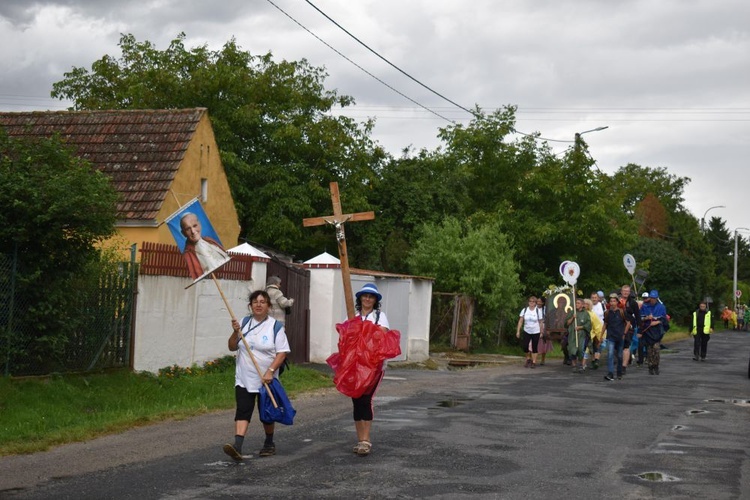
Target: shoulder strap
{"x":277,"y":326}
{"x":244,"y":322}
{"x":377,"y":316}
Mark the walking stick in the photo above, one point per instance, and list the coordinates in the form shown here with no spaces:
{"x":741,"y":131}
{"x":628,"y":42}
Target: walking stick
{"x":244,"y":341}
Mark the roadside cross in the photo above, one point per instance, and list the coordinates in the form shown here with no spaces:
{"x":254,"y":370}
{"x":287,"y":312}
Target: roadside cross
{"x":338,"y":219}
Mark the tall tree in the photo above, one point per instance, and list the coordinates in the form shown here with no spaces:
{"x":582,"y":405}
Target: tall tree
{"x":472,"y":257}
{"x":54,"y":210}
{"x":281,"y":145}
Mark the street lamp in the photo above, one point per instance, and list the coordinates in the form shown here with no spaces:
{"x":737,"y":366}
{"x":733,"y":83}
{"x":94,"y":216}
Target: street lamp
{"x":734,"y":281}
{"x":579,"y":134}
{"x":703,"y":219}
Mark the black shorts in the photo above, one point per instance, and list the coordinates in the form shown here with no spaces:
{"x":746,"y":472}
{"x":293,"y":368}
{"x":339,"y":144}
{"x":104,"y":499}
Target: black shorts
{"x":246,"y":402}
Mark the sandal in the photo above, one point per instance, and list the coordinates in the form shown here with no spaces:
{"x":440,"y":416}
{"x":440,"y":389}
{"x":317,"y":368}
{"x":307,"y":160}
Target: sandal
{"x":364,"y":448}
{"x":356,"y":447}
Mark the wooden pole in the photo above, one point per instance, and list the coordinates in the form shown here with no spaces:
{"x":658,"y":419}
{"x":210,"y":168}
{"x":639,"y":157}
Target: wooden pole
{"x":337,"y":220}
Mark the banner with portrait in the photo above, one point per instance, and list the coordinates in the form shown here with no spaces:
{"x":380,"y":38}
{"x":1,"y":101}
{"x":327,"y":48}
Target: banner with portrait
{"x":197,"y":240}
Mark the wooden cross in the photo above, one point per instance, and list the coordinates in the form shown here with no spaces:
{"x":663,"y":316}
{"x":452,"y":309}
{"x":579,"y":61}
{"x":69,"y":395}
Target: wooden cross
{"x":337,"y":220}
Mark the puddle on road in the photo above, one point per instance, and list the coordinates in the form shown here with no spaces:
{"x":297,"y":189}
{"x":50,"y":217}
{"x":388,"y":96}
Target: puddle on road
{"x":659,"y":477}
{"x":697,"y":412}
{"x":450,"y":403}
{"x":738,"y":402}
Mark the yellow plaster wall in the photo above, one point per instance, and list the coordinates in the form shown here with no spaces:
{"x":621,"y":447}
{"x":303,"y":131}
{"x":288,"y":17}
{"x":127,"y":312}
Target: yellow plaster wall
{"x":201,"y":161}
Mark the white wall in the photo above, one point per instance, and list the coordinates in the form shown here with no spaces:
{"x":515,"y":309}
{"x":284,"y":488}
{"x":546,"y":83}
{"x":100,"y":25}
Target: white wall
{"x":406,"y":301}
{"x":190,"y":326}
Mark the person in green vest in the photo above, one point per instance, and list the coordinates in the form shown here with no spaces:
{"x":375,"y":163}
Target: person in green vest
{"x":702,"y":329}
{"x":579,"y":327}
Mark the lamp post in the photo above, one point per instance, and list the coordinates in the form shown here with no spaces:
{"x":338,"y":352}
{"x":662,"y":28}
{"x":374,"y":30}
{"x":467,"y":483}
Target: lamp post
{"x":734,"y":281}
{"x":579,"y":134}
{"x":703,"y":219}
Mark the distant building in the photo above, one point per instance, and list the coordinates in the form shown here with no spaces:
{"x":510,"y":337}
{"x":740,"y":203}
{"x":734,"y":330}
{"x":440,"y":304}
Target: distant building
{"x":158,"y":160}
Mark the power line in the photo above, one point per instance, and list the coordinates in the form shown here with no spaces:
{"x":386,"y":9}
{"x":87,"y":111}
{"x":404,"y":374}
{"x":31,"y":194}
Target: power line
{"x":474,"y":114}
{"x":389,"y":62}
{"x":358,"y":66}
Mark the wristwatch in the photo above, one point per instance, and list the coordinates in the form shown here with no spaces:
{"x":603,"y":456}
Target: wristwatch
{"x":271,"y":369}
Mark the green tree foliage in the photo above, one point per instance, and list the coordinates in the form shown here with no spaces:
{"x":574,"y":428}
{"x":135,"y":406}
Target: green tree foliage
{"x":54,"y":209}
{"x":554,"y":208}
{"x":280,"y":142}
{"x":632,"y":182}
{"x":675,"y":275}
{"x":412,"y":192}
{"x":472,"y":257}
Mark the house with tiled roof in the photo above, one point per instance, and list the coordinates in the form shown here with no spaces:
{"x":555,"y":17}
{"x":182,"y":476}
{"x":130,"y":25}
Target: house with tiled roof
{"x":158,"y":160}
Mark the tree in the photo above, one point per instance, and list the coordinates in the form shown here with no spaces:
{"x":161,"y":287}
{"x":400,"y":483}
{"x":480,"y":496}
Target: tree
{"x":413,"y":191}
{"x":553,"y":208}
{"x":280,"y":144}
{"x":651,"y":217}
{"x":472,"y":257}
{"x":675,"y":275}
{"x":632,"y":182}
{"x":54,"y":209}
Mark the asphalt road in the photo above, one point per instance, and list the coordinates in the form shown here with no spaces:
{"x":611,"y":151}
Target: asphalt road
{"x":499,"y":432}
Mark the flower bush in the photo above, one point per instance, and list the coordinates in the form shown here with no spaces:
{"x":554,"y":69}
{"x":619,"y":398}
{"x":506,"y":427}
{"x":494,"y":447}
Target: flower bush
{"x":217,"y":365}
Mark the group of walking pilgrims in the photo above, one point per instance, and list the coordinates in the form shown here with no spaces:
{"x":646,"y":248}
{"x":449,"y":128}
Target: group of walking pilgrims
{"x":629,"y":329}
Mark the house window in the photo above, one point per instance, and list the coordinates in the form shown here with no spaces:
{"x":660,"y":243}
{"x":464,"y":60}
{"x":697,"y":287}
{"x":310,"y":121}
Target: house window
{"x":204,"y":190}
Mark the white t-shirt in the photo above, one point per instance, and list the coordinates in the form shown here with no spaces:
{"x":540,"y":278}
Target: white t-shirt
{"x":599,"y":310}
{"x":382,"y":318}
{"x":531,"y":319}
{"x":260,"y":338}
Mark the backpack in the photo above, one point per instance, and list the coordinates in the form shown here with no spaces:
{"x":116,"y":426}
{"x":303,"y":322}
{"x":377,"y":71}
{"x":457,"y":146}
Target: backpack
{"x":277,"y":326}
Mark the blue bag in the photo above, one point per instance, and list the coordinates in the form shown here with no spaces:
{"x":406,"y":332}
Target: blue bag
{"x":284,"y":414}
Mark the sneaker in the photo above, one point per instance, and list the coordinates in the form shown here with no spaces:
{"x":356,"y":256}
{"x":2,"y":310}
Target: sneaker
{"x":527,"y":363}
{"x":695,"y":358}
{"x":595,"y":364}
{"x":609,"y":377}
{"x":267,"y":450}
{"x":533,"y":365}
{"x":232,"y":452}
{"x":656,"y":370}
{"x":619,"y":377}
{"x":650,"y":370}
{"x":703,"y":359}
{"x":624,"y":370}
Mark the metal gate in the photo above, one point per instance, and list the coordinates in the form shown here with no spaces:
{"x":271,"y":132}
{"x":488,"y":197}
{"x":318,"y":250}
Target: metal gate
{"x":295,"y":283}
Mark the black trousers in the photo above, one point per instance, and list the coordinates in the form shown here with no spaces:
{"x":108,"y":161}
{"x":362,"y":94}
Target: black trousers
{"x":700,"y":344}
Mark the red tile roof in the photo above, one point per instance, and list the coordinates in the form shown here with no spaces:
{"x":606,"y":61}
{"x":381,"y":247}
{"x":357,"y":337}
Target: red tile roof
{"x":140,"y":150}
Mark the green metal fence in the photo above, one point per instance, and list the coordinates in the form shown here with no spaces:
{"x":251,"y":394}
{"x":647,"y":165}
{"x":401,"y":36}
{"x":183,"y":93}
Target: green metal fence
{"x":96,"y":334}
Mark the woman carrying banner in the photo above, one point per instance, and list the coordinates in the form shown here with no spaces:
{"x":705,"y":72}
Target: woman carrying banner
{"x":269,"y":345}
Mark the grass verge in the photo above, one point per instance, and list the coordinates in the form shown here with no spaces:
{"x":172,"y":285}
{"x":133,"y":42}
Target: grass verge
{"x":38,"y":413}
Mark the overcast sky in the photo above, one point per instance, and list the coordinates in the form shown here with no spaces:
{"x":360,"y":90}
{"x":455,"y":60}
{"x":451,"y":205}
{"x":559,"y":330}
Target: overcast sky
{"x":670,"y":78}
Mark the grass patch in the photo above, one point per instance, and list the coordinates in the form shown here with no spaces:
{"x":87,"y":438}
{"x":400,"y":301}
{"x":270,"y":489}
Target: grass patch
{"x":36,"y":414}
